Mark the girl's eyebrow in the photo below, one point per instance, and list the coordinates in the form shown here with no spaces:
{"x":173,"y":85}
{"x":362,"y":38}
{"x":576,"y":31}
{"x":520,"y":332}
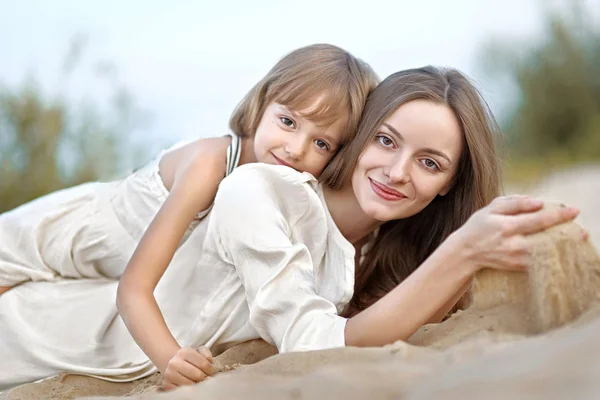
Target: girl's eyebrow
{"x":322,"y":133}
{"x":289,"y":110}
{"x":428,"y":150}
{"x":330,"y":139}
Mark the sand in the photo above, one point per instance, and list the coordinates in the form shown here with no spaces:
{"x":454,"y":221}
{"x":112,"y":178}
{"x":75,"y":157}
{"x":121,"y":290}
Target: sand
{"x":533,"y":335}
{"x":69,"y":386}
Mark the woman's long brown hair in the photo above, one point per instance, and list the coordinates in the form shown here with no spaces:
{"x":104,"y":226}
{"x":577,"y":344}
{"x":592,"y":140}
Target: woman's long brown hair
{"x":402,"y":245}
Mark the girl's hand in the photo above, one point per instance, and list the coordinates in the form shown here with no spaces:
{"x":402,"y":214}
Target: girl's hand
{"x":187,"y":367}
{"x":495,"y":236}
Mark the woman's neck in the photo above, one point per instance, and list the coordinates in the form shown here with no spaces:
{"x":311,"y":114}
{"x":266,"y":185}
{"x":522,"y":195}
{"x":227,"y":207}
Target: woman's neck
{"x":350,"y":219}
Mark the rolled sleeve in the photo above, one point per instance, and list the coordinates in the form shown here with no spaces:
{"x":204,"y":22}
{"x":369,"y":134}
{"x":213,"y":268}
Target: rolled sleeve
{"x":257,"y":212}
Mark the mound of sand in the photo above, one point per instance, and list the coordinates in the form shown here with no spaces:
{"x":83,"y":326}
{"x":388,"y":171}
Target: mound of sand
{"x":69,"y":386}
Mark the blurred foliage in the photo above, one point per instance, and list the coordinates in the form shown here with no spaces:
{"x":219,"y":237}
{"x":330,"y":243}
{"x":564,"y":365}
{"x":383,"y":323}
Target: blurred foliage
{"x":555,"y":121}
{"x":50,"y":144}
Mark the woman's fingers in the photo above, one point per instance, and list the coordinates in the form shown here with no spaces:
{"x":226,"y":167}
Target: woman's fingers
{"x":496,"y":236}
{"x":515,"y":204}
{"x":525,"y":224}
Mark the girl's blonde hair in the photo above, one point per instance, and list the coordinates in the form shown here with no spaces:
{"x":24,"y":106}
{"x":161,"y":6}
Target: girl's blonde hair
{"x":402,"y":245}
{"x":323,"y":81}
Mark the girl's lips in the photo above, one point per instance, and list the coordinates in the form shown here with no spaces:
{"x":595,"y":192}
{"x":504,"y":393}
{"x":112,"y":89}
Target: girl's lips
{"x":281,"y":162}
{"x":385,"y":192}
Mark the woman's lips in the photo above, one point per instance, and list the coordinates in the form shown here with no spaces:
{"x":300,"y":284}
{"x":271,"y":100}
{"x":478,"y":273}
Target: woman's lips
{"x":385,"y":192}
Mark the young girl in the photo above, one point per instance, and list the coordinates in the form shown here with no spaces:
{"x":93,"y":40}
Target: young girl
{"x":278,"y":256}
{"x":300,"y":114}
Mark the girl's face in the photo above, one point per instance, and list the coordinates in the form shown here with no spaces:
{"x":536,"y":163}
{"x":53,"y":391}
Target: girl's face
{"x":412,"y":159}
{"x":285,"y":137}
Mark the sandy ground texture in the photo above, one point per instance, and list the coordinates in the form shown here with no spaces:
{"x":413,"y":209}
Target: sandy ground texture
{"x":531,"y":335}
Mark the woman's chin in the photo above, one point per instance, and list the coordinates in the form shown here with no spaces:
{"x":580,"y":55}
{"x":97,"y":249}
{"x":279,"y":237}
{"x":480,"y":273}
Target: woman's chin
{"x":383,"y":214}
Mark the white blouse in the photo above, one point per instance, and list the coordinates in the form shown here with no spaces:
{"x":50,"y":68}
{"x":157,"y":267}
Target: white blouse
{"x":274,"y":264}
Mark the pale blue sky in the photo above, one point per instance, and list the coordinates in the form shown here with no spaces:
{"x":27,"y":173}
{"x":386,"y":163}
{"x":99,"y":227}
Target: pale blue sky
{"x":190,"y":62}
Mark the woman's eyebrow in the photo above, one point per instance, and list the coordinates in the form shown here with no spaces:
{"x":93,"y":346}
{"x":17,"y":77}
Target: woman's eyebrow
{"x":428,"y":150}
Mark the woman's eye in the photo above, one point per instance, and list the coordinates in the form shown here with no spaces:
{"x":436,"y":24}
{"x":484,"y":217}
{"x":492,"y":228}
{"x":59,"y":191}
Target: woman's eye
{"x":287,"y":122}
{"x":385,"y":141}
{"x":321,"y":144}
{"x":429,"y":163}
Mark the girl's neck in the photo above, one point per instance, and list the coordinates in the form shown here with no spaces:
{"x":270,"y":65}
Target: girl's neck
{"x":350,"y":219}
{"x":247,"y":152}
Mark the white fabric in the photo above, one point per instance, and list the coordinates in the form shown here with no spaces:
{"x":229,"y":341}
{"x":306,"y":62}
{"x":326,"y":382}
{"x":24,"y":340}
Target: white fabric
{"x":286,"y":269}
{"x":87,"y":231}
{"x":273,"y":265}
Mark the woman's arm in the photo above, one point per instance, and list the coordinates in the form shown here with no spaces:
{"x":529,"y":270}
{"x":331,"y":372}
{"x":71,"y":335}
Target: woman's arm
{"x":419,"y":299}
{"x":493,"y":237}
{"x":450,"y":304}
{"x":194,"y":187}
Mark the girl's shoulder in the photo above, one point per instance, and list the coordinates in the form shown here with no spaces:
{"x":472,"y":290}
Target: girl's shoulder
{"x":276,"y":179}
{"x":200,"y":155}
{"x":260,"y":187}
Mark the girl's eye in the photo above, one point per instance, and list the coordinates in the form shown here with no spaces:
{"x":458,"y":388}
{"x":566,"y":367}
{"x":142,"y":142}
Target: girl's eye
{"x":385,"y":141}
{"x":429,"y":163}
{"x":287,"y":122}
{"x":321,"y":144}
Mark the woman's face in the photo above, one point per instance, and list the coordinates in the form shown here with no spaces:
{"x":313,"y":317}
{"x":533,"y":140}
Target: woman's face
{"x":412,"y":159}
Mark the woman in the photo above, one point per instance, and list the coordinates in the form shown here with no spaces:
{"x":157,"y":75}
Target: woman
{"x":279,"y":254}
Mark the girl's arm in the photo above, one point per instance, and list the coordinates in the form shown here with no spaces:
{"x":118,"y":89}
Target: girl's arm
{"x":493,"y":237}
{"x":194,"y":186}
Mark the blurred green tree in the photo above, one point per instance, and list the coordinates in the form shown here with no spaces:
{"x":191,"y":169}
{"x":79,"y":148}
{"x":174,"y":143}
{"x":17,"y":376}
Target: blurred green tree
{"x":556,"y":117}
{"x":50,"y":144}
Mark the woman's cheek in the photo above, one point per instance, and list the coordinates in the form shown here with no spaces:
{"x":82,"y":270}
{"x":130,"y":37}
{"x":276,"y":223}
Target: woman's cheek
{"x":372,"y":156}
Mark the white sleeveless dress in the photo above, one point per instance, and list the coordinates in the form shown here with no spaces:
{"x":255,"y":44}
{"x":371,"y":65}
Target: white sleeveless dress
{"x":87,"y":231}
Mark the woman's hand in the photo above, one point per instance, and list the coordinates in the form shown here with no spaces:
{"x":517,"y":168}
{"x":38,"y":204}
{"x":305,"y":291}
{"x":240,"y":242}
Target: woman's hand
{"x":495,"y":236}
{"x":187,"y":367}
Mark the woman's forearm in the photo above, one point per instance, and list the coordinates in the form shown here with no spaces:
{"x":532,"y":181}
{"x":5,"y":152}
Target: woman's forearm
{"x":145,"y":322}
{"x":413,"y":303}
{"x":446,"y":308}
